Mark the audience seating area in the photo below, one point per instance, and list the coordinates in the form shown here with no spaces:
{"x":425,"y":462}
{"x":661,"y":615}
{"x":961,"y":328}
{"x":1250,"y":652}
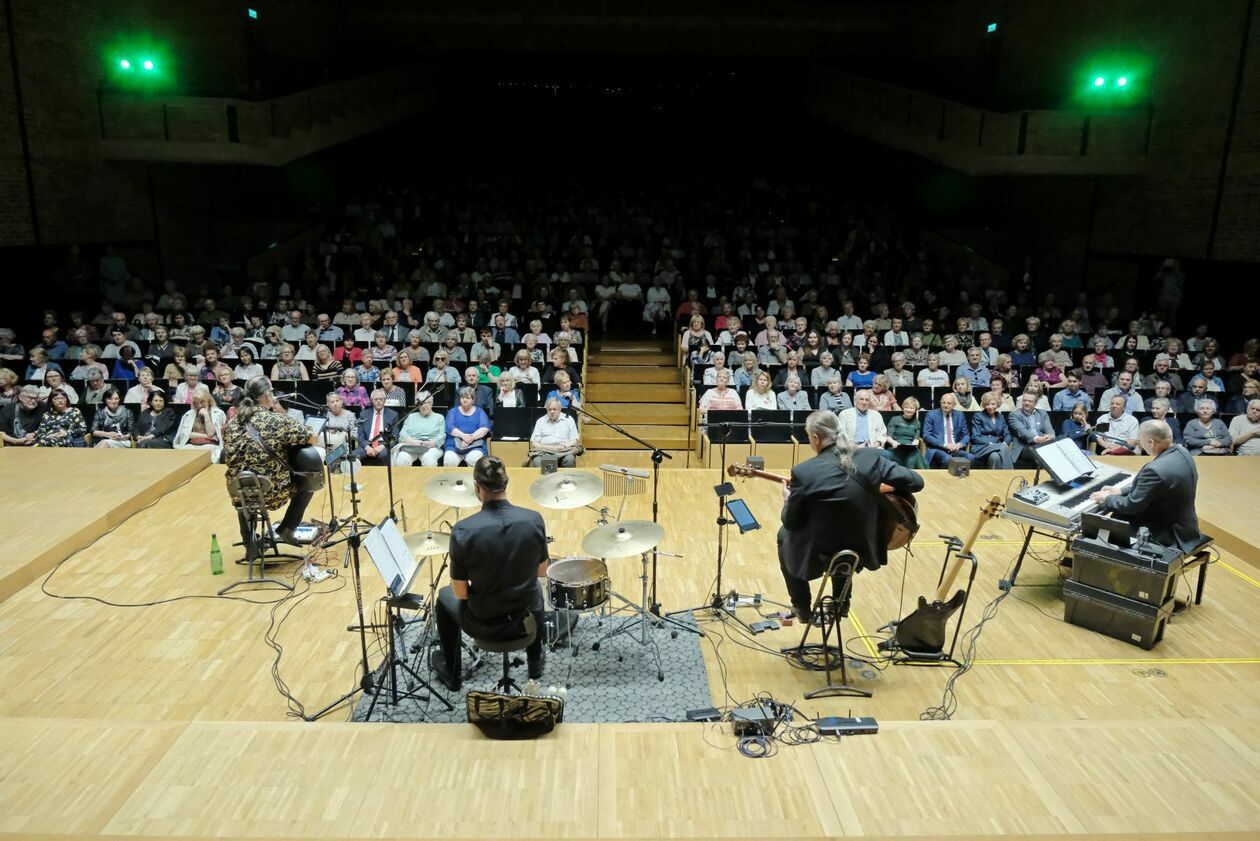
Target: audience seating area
{"x":515,"y":271}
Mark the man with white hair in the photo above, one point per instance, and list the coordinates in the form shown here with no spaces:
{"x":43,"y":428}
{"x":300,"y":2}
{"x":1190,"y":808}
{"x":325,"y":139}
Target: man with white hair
{"x":554,"y":433}
{"x":832,"y":504}
{"x":1245,"y":431}
{"x":863,"y":426}
{"x":1161,"y":497}
{"x":432,"y":329}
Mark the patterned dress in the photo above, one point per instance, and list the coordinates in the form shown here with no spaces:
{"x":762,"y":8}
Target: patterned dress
{"x":71,"y":420}
{"x":242,"y":452}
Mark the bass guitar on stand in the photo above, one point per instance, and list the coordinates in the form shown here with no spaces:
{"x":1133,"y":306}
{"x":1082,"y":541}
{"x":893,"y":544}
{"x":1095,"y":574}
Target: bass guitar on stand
{"x":921,"y":635}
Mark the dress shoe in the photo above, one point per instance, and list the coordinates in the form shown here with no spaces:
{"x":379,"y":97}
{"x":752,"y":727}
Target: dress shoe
{"x":438,"y":664}
{"x":803,"y":612}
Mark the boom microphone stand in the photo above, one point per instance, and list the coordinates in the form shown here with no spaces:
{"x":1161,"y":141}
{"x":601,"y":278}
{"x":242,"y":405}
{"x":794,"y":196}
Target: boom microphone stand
{"x":658,"y":455}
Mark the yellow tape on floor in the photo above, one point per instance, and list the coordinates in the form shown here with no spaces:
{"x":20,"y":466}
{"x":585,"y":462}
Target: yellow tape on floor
{"x":1166,"y":661}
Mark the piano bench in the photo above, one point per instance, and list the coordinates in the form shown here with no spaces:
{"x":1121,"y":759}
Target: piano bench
{"x":1199,"y":560}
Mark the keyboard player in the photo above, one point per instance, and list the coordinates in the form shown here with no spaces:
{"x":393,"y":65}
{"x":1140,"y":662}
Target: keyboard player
{"x":1161,"y":495}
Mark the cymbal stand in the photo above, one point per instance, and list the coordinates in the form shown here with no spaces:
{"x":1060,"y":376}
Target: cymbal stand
{"x":645,"y":618}
{"x":658,"y":456}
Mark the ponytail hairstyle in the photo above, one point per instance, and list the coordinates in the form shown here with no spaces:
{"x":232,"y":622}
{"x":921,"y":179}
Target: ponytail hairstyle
{"x":491,"y":474}
{"x":255,"y":389}
{"x":826,"y":425}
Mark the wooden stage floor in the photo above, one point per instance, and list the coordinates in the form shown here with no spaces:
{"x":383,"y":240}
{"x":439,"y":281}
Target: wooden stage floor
{"x":164,"y":721}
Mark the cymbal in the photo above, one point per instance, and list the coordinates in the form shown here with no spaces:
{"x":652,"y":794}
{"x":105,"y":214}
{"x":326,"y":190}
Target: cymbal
{"x":423,"y":543}
{"x":617,"y":540}
{"x":453,"y":489}
{"x":566,"y":489}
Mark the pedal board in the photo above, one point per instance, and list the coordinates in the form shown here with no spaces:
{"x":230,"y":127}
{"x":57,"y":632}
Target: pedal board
{"x":757,"y":720}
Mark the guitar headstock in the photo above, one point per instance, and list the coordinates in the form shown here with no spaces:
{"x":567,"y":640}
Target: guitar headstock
{"x":993,"y":507}
{"x":739,"y":470}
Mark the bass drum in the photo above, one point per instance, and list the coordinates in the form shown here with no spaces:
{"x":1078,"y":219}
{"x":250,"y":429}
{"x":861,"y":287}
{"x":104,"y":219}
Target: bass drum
{"x":578,"y":583}
{"x":306,"y":468}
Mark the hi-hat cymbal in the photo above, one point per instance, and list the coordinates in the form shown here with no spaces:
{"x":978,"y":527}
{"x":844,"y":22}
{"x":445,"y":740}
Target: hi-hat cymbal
{"x":617,"y":540}
{"x":453,"y":489}
{"x":566,"y":489}
{"x":423,"y":543}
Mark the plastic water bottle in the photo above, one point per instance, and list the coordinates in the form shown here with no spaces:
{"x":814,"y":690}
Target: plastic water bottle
{"x":216,"y":556}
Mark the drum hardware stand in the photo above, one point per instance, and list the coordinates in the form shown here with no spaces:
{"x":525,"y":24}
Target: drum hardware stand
{"x":658,"y":456}
{"x":367,"y":683}
{"x":828,"y":607}
{"x":422,"y":644}
{"x":645,"y":617}
{"x":905,"y":657}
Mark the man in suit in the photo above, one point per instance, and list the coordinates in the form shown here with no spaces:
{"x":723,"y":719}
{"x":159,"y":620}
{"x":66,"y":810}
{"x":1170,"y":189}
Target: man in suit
{"x":1028,"y":425}
{"x":1161,"y":496}
{"x":497,"y":557}
{"x":832,"y":504}
{"x":946,"y":432}
{"x":374,"y":425}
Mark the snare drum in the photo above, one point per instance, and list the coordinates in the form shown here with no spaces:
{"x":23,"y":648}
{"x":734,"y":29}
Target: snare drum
{"x":578,"y":583}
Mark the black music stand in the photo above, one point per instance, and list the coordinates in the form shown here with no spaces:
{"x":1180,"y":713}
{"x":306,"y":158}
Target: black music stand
{"x":828,"y":606}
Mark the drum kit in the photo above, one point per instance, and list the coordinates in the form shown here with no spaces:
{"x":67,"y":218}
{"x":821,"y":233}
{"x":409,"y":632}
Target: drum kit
{"x":577,"y":585}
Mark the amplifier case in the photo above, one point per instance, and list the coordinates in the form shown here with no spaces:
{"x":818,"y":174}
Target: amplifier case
{"x":1152,"y":583}
{"x":1127,"y":620}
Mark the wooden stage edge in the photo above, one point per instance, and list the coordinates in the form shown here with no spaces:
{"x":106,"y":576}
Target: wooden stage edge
{"x":139,"y":479}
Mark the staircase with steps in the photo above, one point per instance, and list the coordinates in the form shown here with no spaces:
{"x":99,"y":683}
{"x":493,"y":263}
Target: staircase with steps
{"x":636,"y":385}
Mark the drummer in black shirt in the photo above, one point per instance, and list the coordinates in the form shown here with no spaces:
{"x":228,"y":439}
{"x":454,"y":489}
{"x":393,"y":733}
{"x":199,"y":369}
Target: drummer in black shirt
{"x":497,"y":556}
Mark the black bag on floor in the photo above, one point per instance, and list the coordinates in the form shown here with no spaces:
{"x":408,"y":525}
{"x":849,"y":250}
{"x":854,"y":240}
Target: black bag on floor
{"x":514,"y":716}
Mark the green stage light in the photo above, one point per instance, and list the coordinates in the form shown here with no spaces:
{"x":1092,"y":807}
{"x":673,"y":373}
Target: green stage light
{"x":253,"y":13}
{"x":124,"y":64}
{"x":1099,"y":81}
{"x":991,"y":28}
{"x":147,"y":64}
{"x":1122,"y":81}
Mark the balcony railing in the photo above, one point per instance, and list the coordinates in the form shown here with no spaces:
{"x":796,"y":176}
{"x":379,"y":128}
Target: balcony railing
{"x":140,"y":121}
{"x":979,"y":141}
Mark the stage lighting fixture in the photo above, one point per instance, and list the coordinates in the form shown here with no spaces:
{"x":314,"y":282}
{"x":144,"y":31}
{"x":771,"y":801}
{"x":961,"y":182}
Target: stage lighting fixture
{"x":1122,"y":81}
{"x":253,"y":14}
{"x":147,"y":64}
{"x":992,"y":27}
{"x":1099,"y":81}
{"x":124,"y":64}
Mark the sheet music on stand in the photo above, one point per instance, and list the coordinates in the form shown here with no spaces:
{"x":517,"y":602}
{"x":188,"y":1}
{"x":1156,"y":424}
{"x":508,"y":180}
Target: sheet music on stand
{"x":385,"y":545}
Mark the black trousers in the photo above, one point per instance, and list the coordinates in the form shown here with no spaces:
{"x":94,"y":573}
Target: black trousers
{"x":292,"y":519}
{"x":799,"y":589}
{"x":453,"y":618}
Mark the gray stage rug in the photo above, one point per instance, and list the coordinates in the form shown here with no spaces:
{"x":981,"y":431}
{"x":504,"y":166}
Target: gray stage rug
{"x":616,"y":683}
